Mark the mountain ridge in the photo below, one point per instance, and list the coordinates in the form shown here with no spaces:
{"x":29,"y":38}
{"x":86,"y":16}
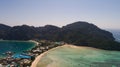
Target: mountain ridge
{"x":78,"y":33}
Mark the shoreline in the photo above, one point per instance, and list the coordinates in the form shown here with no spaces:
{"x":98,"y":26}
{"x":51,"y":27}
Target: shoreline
{"x":37,"y":59}
{"x":34,"y":63}
{"x":39,"y":48}
{"x":36,"y":43}
{"x":30,"y":41}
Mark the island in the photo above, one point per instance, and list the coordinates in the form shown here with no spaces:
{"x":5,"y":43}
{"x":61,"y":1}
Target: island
{"x":79,"y":33}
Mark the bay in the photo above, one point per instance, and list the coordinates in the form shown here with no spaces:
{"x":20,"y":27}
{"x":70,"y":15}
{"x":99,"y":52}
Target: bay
{"x":14,"y":46}
{"x":73,"y":56}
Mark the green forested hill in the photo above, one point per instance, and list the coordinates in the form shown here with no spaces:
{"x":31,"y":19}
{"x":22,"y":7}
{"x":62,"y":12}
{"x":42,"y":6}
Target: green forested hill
{"x":78,"y":33}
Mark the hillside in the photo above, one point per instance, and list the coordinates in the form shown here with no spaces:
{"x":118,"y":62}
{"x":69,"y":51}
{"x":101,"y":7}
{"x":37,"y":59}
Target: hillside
{"x":3,"y":30}
{"x":79,"y":33}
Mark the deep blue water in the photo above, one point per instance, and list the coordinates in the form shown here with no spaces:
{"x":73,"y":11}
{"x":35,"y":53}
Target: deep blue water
{"x":116,"y":34}
{"x":15,"y":46}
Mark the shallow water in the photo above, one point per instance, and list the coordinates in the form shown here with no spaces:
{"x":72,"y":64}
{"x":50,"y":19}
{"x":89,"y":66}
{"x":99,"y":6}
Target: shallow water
{"x":15,"y":46}
{"x":66,"y":56}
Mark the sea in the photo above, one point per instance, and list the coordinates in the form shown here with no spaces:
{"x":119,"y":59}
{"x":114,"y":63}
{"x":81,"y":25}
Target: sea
{"x":17,"y":47}
{"x":66,"y":56}
{"x":116,"y":34}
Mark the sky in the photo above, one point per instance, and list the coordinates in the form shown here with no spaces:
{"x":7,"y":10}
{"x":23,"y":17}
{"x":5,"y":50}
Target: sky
{"x":103,"y":13}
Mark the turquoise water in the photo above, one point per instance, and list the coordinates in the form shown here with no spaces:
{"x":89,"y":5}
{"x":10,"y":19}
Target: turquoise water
{"x":67,"y":56}
{"x":15,"y":46}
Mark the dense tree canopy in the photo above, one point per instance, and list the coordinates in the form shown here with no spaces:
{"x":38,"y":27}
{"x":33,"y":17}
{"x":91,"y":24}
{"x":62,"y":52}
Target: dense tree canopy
{"x":78,"y":33}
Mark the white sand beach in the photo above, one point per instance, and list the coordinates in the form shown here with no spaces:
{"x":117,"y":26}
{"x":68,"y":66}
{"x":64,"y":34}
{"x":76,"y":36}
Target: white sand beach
{"x":37,"y":59}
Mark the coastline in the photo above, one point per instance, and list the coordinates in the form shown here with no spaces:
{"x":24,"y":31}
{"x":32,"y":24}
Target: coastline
{"x":19,"y":41}
{"x":38,"y":48}
{"x":84,"y":54}
{"x":15,"y":50}
{"x":36,"y":43}
{"x":34,"y":63}
{"x":39,"y":55}
{"x":37,"y":59}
